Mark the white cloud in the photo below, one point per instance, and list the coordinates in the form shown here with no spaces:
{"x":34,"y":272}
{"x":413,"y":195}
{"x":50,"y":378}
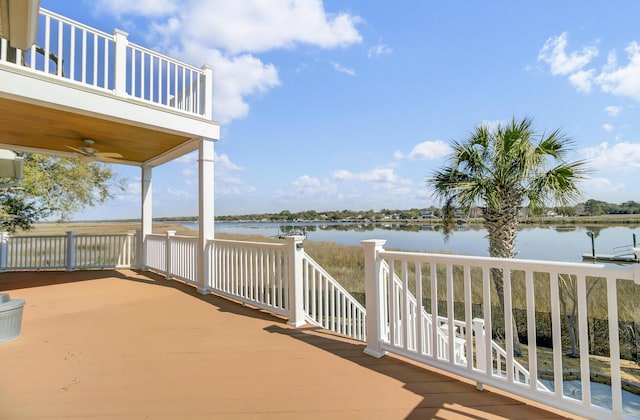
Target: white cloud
{"x":235,"y":79}
{"x":603,"y":188}
{"x":608,"y":127}
{"x":621,"y":157}
{"x":378,"y":50}
{"x":178,"y":194}
{"x":427,"y":150}
{"x":342,"y":175}
{"x":310,"y":187}
{"x":492,"y":125}
{"x":623,"y":81}
{"x":227,"y":179}
{"x":131,"y":193}
{"x":139,"y":7}
{"x":198,"y":31}
{"x":553,"y":53}
{"x":613,"y":111}
{"x":345,"y":70}
{"x":384,"y":175}
{"x":256,"y":26}
{"x":582,"y":80}
{"x":616,"y":79}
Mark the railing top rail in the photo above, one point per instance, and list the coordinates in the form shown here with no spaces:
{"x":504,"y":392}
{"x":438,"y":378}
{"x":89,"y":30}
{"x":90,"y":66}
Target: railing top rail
{"x":63,"y":235}
{"x":231,"y":242}
{"x":184,"y":238}
{"x":35,"y":236}
{"x":75,"y":23}
{"x":590,"y":269}
{"x":104,"y":234}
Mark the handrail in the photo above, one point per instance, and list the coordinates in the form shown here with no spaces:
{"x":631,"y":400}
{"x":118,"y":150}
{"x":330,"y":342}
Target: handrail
{"x":329,"y":305}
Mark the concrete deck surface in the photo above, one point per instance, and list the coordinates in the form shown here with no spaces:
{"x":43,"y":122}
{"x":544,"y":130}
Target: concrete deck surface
{"x":123,"y":344}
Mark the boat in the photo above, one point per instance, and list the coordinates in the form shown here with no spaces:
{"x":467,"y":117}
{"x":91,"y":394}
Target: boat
{"x":292,"y":231}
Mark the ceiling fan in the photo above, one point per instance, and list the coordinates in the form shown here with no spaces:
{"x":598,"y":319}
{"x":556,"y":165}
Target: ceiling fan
{"x":89,"y":153}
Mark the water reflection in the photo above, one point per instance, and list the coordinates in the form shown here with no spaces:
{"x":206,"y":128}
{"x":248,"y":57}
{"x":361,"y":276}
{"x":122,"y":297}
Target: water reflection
{"x":545,"y":242}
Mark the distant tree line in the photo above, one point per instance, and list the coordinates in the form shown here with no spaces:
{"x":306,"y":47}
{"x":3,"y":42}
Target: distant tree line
{"x":588,"y":208}
{"x":597,"y":208}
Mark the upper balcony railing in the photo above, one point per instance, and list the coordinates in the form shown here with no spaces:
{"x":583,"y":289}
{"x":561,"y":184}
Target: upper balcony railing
{"x":77,"y":53}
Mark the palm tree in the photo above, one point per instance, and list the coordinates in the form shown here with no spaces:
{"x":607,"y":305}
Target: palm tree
{"x":502,"y":170}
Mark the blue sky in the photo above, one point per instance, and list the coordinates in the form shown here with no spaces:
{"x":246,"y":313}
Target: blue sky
{"x":352,"y":104}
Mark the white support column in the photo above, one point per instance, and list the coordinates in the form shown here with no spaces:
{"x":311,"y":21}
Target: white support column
{"x":205,"y":211}
{"x":296,"y":290}
{"x":120,"y":65}
{"x":373,"y":294}
{"x":147,"y":217}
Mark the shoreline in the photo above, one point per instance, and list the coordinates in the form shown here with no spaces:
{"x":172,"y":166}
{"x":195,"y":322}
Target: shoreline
{"x":108,"y":226}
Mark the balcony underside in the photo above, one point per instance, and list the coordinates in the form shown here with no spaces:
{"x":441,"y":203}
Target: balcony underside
{"x":38,"y":113}
{"x":130,"y":345}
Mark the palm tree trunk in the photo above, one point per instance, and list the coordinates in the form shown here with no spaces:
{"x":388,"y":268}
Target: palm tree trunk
{"x":501,"y":227}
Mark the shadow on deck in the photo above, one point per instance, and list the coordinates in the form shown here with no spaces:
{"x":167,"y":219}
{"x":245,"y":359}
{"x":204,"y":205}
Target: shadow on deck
{"x":130,"y":345}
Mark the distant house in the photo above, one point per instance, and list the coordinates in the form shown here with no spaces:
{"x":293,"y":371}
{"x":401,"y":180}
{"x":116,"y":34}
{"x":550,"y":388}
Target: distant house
{"x":427,"y":214}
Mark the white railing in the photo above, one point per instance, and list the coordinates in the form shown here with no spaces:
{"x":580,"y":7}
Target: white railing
{"x":176,"y":257}
{"x":329,"y":305}
{"x":182,"y":257}
{"x":499,"y":357}
{"x":103,"y":251}
{"x":439,"y":335}
{"x":442,"y":333}
{"x":282,"y":279}
{"x":393,"y":327}
{"x":66,"y":49}
{"x":252,"y":272}
{"x":66,"y":252}
{"x":155,"y":253}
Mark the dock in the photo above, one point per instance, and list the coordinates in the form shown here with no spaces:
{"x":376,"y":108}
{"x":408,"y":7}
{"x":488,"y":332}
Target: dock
{"x":629,"y":258}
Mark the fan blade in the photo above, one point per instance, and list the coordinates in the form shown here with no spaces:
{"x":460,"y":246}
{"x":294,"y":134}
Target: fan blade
{"x":108,"y":155}
{"x":108,"y":159}
{"x":75,"y":149}
{"x":85,"y":158}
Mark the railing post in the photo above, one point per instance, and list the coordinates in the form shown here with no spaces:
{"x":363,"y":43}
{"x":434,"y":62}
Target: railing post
{"x":295,"y":250}
{"x":120,"y":65}
{"x":209,"y":255}
{"x":373,"y":296}
{"x":128,"y":251}
{"x":481,"y":349}
{"x":70,"y":251}
{"x":4,"y":250}
{"x":207,"y":92}
{"x":138,"y":257}
{"x":167,"y":260}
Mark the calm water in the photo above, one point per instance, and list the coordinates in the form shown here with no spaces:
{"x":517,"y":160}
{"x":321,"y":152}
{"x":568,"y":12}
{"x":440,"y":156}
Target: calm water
{"x":556,"y":243}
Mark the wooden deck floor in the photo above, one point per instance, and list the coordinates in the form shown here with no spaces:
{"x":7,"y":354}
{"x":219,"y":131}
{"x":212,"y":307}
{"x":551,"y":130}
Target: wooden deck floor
{"x":122,"y":344}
